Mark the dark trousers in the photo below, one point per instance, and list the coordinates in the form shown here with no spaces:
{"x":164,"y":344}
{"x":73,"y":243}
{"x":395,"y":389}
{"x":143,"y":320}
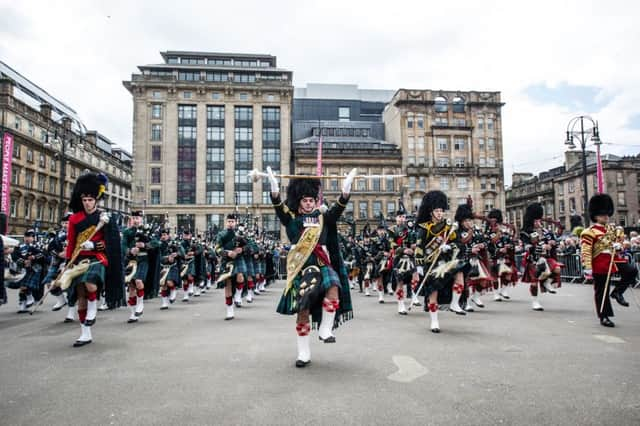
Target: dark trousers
{"x":628,"y":274}
{"x":599,"y":281}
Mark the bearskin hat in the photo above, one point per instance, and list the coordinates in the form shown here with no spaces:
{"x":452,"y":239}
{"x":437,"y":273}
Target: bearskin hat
{"x":88,"y":184}
{"x":495,"y":214}
{"x":232,"y":216}
{"x":534,"y":211}
{"x":575,"y":221}
{"x":600,"y":204}
{"x":432,"y":200}
{"x":300,"y":188}
{"x":464,"y":211}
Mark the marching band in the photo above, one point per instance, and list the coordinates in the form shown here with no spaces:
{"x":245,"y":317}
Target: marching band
{"x":450,"y":262}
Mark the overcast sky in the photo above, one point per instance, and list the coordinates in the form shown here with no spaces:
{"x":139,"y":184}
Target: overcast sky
{"x":552,"y":60}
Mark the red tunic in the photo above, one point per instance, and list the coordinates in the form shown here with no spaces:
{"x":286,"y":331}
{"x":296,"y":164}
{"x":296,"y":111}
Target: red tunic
{"x":72,"y":233}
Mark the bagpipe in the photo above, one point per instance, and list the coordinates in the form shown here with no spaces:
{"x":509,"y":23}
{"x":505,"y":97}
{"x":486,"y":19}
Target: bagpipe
{"x":72,"y":270}
{"x":13,"y":273}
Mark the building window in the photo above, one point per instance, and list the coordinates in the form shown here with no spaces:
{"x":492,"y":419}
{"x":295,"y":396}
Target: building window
{"x":491,"y":144}
{"x":561,"y":188}
{"x":186,"y":95}
{"x":377,"y":208}
{"x":440,"y":104}
{"x":491,"y":162}
{"x":561,"y":207}
{"x":217,"y":76}
{"x":13,"y":207}
{"x":483,"y":183}
{"x":244,"y":155}
{"x":156,"y":95}
{"x":42,"y":162}
{"x":215,"y":154}
{"x":243,"y":134}
{"x":376,"y":185}
{"x":391,"y":208}
{"x":420,"y":122}
{"x":51,"y":213}
{"x":27,"y":209}
{"x":572,"y":205}
{"x":188,"y":76}
{"x":344,"y":114}
{"x":28,"y":179}
{"x":458,"y":104}
{"x":488,"y":204}
{"x":572,"y":187}
{"x":155,"y":175}
{"x":16,"y":150}
{"x":156,"y":153}
{"x":458,"y":144}
{"x":270,"y":155}
{"x":443,"y":162}
{"x":489,"y":123}
{"x":622,"y":220}
{"x":215,"y":176}
{"x":443,"y":144}
{"x":333,"y":185}
{"x":621,"y":199}
{"x":156,"y":132}
{"x":363,"y":208}
{"x":493,"y":183}
{"x":245,"y":197}
{"x":440,"y":121}
{"x":482,"y":161}
{"x":410,"y":122}
{"x":156,"y":111}
{"x":390,"y":184}
{"x":480,"y":123}
{"x":30,"y":155}
{"x":361,"y":184}
{"x":412,"y":183}
{"x":215,"y":112}
{"x":270,"y":114}
{"x":39,"y":211}
{"x":270,"y":135}
{"x":463,"y":183}
{"x":52,"y":185}
{"x":155,"y":196}
{"x":215,"y":134}
{"x":243,"y":113}
{"x":444,"y":183}
{"x":41,"y":182}
{"x":215,"y":197}
{"x":619,"y":178}
{"x":216,"y":96}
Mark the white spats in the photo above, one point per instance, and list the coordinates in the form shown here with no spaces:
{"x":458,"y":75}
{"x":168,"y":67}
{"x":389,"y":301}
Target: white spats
{"x":30,"y":300}
{"x":237,"y":297}
{"x":71,"y":314}
{"x":455,"y":302}
{"x":250,"y":296}
{"x":304,"y":349}
{"x":92,"y":311}
{"x":435,"y":325}
{"x":165,"y":303}
{"x":535,"y":305}
{"x":229,"y":312}
{"x":85,"y":336}
{"x":325,"y":331}
{"x":408,"y":369}
{"x":133,"y":317}
{"x":61,"y":301}
{"x":476,"y":299}
{"x":139,"y":305}
{"x":402,"y":309}
{"x":22,"y":307}
{"x":172,"y":295}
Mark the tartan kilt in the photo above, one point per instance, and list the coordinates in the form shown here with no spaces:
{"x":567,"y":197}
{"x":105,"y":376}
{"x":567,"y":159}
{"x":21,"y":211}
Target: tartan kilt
{"x":142,"y":270}
{"x":191,"y":269}
{"x":239,"y":266}
{"x":288,"y":300}
{"x":31,"y":280}
{"x":249,"y":265}
{"x":95,"y":274}
{"x":52,"y":273}
{"x":260,"y":267}
{"x":174,"y":274}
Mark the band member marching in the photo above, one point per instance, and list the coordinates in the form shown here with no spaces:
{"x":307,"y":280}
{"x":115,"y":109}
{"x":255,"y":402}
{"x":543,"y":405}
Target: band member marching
{"x":30,"y":257}
{"x":536,"y":268}
{"x":171,"y":252}
{"x":502,"y":252}
{"x":93,"y":238}
{"x":598,"y":255}
{"x":402,"y":245}
{"x":229,"y":247}
{"x":442,"y":269}
{"x":317,"y":283}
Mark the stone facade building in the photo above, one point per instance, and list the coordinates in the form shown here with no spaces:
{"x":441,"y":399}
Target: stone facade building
{"x":561,"y":191}
{"x":450,"y":140}
{"x":42,"y":172}
{"x":201,"y":122}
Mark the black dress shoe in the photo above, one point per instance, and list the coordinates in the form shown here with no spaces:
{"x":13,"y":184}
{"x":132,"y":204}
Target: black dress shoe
{"x":302,"y":364}
{"x":435,"y":330}
{"x":66,"y":320}
{"x":403,"y":313}
{"x":380,"y":301}
{"x":79,"y":343}
{"x":330,"y":339}
{"x":619,"y":298}
{"x":89,"y":323}
{"x":132,"y":320}
{"x":606,"y":322}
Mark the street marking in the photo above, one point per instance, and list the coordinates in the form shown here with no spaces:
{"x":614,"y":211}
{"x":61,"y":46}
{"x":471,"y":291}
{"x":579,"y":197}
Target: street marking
{"x":609,"y":339}
{"x":408,"y":369}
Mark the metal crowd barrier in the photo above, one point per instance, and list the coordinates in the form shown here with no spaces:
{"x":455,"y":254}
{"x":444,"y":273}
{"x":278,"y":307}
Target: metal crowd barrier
{"x":572,"y":269}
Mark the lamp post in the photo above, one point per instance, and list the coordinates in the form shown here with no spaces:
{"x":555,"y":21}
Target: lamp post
{"x":60,"y":142}
{"x":576,"y":130}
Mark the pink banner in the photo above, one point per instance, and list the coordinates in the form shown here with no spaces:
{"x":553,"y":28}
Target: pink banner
{"x":7,"y":155}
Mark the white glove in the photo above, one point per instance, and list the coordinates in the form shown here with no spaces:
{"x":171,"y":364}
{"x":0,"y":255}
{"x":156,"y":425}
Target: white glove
{"x":87,"y":245}
{"x":275,"y":188}
{"x":445,"y":248}
{"x":105,"y":217}
{"x":587,"y":272}
{"x":348,"y":181}
{"x":420,"y":270}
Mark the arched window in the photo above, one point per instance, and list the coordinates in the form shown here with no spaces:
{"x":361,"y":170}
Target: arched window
{"x":441,"y":104}
{"x":458,"y":104}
